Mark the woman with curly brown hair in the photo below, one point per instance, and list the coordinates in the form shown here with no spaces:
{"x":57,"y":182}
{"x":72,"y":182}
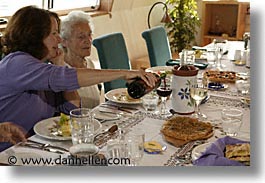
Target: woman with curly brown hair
{"x":30,"y":89}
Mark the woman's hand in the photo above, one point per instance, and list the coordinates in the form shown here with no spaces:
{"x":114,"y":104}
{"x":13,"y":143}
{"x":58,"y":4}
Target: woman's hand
{"x":59,"y":58}
{"x":10,"y":132}
{"x":147,"y":77}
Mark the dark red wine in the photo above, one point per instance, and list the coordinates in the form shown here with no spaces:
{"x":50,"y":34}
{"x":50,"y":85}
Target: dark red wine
{"x":163,"y":92}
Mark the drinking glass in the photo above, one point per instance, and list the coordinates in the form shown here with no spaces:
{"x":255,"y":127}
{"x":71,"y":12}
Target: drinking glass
{"x":120,"y":122}
{"x":82,"y":130}
{"x":115,"y":149}
{"x":211,"y":57}
{"x":164,"y":91}
{"x":220,"y":51}
{"x":198,"y":91}
{"x":150,"y":101}
{"x":231,"y":121}
{"x":134,"y":141}
{"x":82,"y":126}
{"x":189,"y":56}
{"x":243,"y":86}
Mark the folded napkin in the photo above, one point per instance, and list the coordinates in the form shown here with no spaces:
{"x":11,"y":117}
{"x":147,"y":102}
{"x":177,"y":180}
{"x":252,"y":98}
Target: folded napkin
{"x":214,"y":154}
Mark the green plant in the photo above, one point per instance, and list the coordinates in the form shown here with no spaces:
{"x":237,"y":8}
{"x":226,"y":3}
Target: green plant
{"x":185,"y":20}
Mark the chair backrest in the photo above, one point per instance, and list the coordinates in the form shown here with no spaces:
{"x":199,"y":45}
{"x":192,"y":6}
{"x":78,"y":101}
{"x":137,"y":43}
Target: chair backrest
{"x":157,"y":45}
{"x":112,"y":53}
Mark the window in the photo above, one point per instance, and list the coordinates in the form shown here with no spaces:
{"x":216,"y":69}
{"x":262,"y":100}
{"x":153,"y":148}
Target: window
{"x":57,"y":5}
{"x":9,"y":7}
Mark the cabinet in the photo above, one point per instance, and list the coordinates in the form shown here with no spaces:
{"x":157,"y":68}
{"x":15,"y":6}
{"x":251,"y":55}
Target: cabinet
{"x":224,"y":19}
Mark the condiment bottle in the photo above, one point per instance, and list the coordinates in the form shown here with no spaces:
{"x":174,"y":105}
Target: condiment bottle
{"x":139,"y":88}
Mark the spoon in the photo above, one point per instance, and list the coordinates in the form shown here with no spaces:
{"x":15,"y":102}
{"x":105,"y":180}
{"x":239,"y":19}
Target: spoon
{"x":111,"y":130}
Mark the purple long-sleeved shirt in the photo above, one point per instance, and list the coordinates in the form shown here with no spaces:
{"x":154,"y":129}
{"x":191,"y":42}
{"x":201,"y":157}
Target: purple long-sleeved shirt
{"x":30,"y":90}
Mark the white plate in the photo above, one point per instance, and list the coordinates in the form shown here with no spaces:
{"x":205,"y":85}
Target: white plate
{"x":104,"y":116}
{"x":43,"y":127}
{"x":198,"y":150}
{"x":120,"y":95}
{"x":159,"y":69}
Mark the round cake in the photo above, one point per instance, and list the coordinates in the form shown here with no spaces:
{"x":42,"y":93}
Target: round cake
{"x":180,"y":130}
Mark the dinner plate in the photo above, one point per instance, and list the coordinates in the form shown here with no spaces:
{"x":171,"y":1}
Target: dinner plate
{"x":43,"y":127}
{"x":104,"y":116}
{"x":157,"y":69}
{"x":120,"y":96}
{"x":199,"y":63}
{"x":198,"y":150}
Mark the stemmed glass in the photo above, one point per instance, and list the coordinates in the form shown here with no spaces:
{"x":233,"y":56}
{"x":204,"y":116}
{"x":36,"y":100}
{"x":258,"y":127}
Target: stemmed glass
{"x":198,"y":91}
{"x":164,"y":91}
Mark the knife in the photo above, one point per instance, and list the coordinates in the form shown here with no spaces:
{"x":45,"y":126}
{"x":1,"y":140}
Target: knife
{"x":110,"y":112}
{"x":49,"y":149}
{"x":120,"y":107}
{"x":117,"y":108}
{"x":42,"y":145}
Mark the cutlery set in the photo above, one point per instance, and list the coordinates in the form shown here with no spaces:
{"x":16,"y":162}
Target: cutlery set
{"x":120,"y":108}
{"x":44,"y":147}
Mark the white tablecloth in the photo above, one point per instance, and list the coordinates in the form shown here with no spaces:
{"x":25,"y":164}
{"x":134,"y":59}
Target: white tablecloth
{"x":217,"y":101}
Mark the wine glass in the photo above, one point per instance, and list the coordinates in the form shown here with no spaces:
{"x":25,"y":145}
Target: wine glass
{"x":164,"y":91}
{"x":198,"y":91}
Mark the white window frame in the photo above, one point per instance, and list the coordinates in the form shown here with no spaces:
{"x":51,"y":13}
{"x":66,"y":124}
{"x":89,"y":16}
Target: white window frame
{"x":46,"y":4}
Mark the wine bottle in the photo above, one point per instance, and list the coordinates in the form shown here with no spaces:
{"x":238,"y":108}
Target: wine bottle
{"x":139,"y":88}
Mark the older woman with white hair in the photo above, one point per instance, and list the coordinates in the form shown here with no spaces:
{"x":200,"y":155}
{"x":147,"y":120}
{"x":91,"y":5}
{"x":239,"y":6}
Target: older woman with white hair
{"x":76,"y":33}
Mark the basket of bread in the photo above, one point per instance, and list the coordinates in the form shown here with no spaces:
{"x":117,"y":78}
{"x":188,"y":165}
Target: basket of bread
{"x":225,"y":151}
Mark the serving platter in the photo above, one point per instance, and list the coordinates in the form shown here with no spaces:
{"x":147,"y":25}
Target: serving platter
{"x":198,"y":150}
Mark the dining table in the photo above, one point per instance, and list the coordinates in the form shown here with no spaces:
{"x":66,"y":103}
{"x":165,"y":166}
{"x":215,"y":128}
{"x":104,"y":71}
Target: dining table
{"x":134,"y":117}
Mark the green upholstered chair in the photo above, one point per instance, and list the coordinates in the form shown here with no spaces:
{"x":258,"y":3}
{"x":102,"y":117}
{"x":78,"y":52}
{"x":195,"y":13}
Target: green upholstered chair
{"x":112,"y":53}
{"x":157,"y":45}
